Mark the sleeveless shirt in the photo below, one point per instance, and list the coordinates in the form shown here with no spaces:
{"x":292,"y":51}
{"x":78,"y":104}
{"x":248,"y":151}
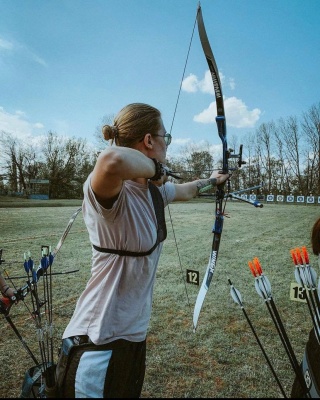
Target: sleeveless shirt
{"x":117,"y":300}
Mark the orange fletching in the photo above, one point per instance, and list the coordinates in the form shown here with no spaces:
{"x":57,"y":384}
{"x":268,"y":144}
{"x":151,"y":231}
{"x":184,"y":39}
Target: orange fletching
{"x":298,"y":254}
{"x":294,"y":258}
{"x":305,"y":254}
{"x":252,"y":269}
{"x":257,"y":265}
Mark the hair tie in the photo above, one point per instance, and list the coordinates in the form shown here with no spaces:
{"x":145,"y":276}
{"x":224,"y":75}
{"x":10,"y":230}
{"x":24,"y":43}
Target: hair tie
{"x":115,"y":131}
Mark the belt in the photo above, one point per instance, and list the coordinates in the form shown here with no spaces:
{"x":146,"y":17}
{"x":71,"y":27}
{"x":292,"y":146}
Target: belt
{"x":81,"y":339}
{"x":117,"y":344}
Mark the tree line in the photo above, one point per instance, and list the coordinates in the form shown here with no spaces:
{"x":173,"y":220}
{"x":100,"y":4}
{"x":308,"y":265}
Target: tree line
{"x":283,"y":154}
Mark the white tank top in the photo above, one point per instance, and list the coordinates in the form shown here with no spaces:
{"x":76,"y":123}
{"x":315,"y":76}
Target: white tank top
{"x":117,"y":300}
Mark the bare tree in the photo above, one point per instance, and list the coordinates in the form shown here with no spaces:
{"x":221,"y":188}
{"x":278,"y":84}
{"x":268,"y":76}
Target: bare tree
{"x":14,"y":157}
{"x":195,"y":161}
{"x":265,"y":151}
{"x":100,"y":141}
{"x":250,"y":173}
{"x":311,"y":129}
{"x":284,"y":173}
{"x":293,"y":150}
{"x":63,"y":159}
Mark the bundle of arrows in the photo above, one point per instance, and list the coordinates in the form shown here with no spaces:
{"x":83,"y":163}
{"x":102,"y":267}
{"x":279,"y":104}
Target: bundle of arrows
{"x":306,"y":277}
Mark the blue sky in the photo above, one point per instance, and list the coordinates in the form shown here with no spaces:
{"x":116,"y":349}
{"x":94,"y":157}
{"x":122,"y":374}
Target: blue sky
{"x":66,"y":64}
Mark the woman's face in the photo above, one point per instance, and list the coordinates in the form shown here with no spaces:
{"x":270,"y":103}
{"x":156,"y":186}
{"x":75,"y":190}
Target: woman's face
{"x":162,"y":140}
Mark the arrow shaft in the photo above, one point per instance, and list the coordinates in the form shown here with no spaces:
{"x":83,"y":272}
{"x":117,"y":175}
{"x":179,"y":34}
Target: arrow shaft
{"x":271,"y":306}
{"x":237,"y":299}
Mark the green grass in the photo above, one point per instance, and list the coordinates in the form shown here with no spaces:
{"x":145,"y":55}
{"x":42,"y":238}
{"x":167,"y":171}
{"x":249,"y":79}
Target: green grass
{"x":222,"y":359}
{"x":17,"y":202}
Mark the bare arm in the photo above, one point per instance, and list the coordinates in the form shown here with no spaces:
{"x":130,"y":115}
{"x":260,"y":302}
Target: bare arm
{"x":187,"y":191}
{"x":116,"y":164}
{"x":4,"y":288}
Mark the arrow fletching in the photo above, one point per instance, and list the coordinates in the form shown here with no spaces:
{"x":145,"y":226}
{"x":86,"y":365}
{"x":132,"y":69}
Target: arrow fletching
{"x":235,"y":294}
{"x":266,"y":284}
{"x":263,"y":287}
{"x":257,"y":265}
{"x":262,"y":283}
{"x":305,"y":254}
{"x":298,"y":255}
{"x":298,"y":277}
{"x":252,"y":269}
{"x":294,"y":258}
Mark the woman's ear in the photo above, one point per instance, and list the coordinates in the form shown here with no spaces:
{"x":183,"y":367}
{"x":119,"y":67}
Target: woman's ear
{"x":148,"y":142}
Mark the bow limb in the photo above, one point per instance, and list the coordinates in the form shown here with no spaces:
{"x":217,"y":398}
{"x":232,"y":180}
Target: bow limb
{"x":220,"y":194}
{"x":220,"y":119}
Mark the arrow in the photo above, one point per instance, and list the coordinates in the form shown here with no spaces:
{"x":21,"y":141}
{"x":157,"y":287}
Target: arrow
{"x":235,"y":294}
{"x":263,"y":288}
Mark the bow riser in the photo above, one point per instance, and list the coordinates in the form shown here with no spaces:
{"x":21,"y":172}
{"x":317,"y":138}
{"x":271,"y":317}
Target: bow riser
{"x":222,"y":131}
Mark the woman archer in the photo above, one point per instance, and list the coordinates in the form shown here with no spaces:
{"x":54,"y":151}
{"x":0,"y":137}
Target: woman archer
{"x":104,"y":345}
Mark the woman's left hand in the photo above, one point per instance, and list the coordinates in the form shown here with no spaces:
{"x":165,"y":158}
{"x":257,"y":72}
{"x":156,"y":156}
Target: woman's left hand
{"x":219,"y":177}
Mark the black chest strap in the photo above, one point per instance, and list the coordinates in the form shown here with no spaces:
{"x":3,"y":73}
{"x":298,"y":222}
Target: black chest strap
{"x":161,"y":227}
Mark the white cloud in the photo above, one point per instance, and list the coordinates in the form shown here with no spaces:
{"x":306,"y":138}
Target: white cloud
{"x":206,"y":85}
{"x":180,"y":142}
{"x":21,"y":113}
{"x":232,"y":83}
{"x":180,"y":147}
{"x":37,"y":59}
{"x":61,"y":126}
{"x":192,"y":84}
{"x":20,"y":48}
{"x":237,"y":114}
{"x":5,"y":44}
{"x":17,"y":124}
{"x":208,"y":115}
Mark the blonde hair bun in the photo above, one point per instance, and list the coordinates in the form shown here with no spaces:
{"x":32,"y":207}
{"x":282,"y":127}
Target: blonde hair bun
{"x":109,"y":132}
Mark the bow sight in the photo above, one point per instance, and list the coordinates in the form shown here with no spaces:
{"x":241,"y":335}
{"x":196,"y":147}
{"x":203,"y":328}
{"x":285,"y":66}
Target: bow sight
{"x":236,"y":156}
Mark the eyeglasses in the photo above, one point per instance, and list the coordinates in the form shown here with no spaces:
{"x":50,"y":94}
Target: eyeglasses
{"x":167,"y":138}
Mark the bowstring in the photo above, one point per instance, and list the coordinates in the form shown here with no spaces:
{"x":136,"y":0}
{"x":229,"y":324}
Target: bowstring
{"x":165,"y":192}
{"x":183,"y":75}
{"x":178,"y":252}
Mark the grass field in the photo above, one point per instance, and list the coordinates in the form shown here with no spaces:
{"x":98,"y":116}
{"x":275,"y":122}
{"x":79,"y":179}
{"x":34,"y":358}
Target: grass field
{"x":222,"y":359}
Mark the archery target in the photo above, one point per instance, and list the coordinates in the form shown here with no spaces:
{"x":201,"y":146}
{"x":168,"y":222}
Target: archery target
{"x":290,"y":199}
{"x":252,"y":196}
{"x":310,"y":199}
{"x":279,"y":197}
{"x":300,"y":199}
{"x":270,"y":197}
